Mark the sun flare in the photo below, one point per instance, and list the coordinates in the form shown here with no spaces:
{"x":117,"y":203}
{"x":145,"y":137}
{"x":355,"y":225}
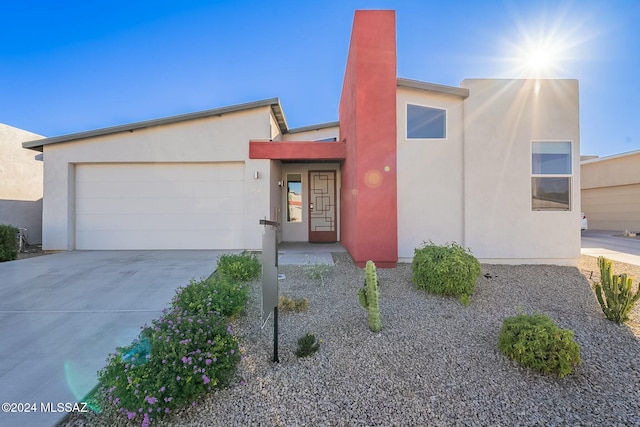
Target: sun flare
{"x":547,"y":46}
{"x":539,"y":60}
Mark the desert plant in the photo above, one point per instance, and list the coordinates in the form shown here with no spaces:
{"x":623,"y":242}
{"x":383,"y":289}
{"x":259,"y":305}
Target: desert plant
{"x":8,"y":246}
{"x":218,"y":293}
{"x":369,"y":296}
{"x":180,"y":357}
{"x":535,"y":341}
{"x":615,"y":292}
{"x":293,"y":304}
{"x":307,"y":345}
{"x":446,"y":270}
{"x":316,"y":271}
{"x":240,"y":267}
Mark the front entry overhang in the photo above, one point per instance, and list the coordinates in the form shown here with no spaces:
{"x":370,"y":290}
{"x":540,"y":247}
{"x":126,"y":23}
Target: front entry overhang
{"x":297,"y":150}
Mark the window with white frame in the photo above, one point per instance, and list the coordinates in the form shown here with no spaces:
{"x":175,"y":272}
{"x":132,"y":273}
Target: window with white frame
{"x":551,"y":175}
{"x":426,"y":122}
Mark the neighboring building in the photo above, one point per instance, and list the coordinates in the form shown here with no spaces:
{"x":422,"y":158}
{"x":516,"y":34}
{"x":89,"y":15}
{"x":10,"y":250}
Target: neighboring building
{"x":20,"y":183}
{"x":491,"y":165}
{"x":611,"y":192}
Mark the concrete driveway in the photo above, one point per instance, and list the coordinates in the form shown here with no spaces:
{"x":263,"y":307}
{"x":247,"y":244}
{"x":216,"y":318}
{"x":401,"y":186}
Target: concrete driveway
{"x":62,"y":314}
{"x":612,"y":245}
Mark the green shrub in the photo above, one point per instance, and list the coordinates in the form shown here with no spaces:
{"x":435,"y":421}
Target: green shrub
{"x":293,"y":304}
{"x":219,"y":293}
{"x":8,"y":246}
{"x":535,"y":341}
{"x":307,"y":345}
{"x":180,"y":357}
{"x":615,"y":293}
{"x":240,"y":267}
{"x":445,"y":270}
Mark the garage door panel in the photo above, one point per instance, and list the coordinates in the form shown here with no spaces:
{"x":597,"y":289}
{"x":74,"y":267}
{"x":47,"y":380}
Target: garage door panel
{"x":157,"y":172}
{"x":139,"y":239}
{"x":148,"y":189}
{"x":159,"y":206}
{"x":139,"y":206}
{"x":158,"y":222}
{"x":151,"y":206}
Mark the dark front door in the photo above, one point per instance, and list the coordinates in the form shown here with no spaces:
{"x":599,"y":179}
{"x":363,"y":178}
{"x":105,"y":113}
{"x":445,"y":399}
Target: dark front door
{"x":322,"y":206}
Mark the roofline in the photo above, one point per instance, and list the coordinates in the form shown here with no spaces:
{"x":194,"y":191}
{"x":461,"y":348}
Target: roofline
{"x":315,"y":127}
{"x":614,"y":156}
{"x":274,"y":103}
{"x":432,"y":87}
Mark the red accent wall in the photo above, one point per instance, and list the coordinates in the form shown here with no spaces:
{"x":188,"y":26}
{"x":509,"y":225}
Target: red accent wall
{"x":369,"y":222}
{"x":303,"y":150}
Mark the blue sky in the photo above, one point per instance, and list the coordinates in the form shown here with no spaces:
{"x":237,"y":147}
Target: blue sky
{"x":69,"y":66}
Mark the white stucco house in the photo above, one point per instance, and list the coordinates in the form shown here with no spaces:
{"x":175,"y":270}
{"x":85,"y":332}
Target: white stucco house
{"x":492,"y":164}
{"x":20,"y":183}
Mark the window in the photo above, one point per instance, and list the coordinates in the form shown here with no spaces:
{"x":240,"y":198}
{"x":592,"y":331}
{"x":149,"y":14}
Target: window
{"x":551,"y":176}
{"x":426,"y":122}
{"x":294,"y":197}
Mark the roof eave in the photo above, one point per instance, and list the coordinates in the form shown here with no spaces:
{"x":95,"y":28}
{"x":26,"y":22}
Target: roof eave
{"x":612,"y":157}
{"x":274,"y":103}
{"x":432,"y":87}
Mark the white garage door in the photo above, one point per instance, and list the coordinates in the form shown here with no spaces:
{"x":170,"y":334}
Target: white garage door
{"x":159,"y":206}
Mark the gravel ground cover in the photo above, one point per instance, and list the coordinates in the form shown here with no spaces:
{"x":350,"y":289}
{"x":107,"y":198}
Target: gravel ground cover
{"x":435,"y":362}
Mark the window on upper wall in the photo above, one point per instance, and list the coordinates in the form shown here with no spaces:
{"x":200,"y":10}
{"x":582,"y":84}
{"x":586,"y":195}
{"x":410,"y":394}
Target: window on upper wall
{"x":551,"y":175}
{"x":426,"y":122}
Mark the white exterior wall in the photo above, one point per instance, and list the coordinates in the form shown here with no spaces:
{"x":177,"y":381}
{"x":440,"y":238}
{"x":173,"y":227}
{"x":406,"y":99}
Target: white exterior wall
{"x":276,"y":133}
{"x":430,"y":176}
{"x":502,"y":118}
{"x":212,"y":139}
{"x":276,"y":212}
{"x":20,"y":182}
{"x":313,"y":135}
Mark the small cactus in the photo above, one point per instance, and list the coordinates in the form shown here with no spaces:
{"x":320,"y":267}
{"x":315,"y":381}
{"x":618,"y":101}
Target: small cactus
{"x":369,"y":296}
{"x":615,"y":293}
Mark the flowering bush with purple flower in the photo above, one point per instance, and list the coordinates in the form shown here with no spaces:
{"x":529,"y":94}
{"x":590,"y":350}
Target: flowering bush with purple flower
{"x":187,"y":352}
{"x":190,"y":354}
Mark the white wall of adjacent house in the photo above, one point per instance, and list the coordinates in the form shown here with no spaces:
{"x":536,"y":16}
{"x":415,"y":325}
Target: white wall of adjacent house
{"x":313,"y":134}
{"x":502,"y":118}
{"x":20,"y":182}
{"x":430,"y":175}
{"x":611,"y":192}
{"x":186,"y":185}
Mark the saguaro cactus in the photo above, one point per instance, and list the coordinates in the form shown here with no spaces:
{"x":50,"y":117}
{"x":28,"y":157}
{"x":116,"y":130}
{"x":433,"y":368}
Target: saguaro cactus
{"x":369,"y":296}
{"x":615,"y":293}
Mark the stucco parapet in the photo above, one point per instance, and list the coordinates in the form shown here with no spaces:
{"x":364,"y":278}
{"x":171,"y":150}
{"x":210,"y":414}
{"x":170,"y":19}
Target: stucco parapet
{"x":432,"y":87}
{"x":314,"y":127}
